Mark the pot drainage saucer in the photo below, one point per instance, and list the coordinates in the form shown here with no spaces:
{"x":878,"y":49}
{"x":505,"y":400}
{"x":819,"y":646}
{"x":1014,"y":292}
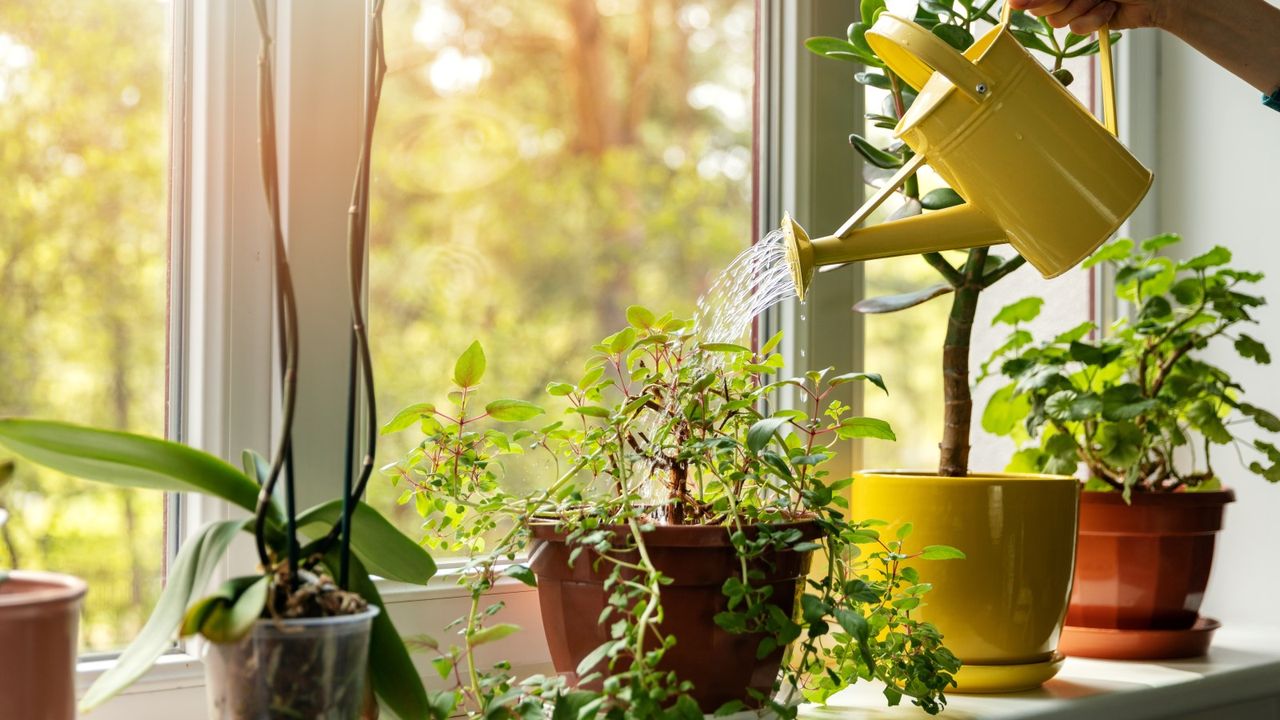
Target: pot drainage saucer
{"x":987,"y":679}
{"x":1126,"y":644}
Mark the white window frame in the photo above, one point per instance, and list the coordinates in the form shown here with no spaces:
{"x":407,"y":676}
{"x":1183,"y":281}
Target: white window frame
{"x":222,"y":380}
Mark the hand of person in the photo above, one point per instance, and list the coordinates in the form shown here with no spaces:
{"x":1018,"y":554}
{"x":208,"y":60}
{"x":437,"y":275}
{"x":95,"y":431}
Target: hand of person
{"x":1087,"y":16}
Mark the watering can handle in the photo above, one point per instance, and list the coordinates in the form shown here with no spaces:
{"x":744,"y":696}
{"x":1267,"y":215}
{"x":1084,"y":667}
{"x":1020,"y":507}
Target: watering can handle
{"x":914,"y":53}
{"x":1106,"y":65}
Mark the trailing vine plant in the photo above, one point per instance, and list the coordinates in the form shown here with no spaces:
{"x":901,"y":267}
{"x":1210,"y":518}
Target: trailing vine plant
{"x":955,"y":22}
{"x":663,"y":429}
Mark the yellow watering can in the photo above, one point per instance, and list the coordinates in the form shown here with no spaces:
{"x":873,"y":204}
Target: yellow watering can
{"x":1034,"y":166}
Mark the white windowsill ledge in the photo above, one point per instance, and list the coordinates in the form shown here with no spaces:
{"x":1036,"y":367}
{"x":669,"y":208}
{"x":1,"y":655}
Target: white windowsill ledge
{"x":1240,"y":678}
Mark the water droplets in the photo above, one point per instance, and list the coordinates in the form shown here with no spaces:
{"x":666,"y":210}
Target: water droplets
{"x":755,"y":281}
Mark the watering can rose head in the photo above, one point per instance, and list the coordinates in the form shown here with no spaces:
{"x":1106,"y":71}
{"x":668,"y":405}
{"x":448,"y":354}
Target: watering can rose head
{"x":1028,"y":164}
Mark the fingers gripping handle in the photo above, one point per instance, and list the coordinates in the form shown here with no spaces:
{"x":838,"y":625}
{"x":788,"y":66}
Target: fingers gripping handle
{"x":915,"y":54}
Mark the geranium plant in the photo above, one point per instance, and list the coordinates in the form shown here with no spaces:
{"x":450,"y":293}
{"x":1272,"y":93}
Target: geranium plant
{"x":1139,"y":407}
{"x":955,"y":22}
{"x":662,"y":430}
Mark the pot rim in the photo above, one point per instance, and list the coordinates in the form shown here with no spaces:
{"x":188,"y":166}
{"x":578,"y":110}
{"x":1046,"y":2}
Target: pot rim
{"x":41,"y":588}
{"x":367,"y":614}
{"x":1178,"y":499}
{"x":682,"y":535}
{"x":970,"y":478}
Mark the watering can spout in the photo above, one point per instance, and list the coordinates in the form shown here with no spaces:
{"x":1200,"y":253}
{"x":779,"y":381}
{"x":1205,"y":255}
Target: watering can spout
{"x":955,"y":228}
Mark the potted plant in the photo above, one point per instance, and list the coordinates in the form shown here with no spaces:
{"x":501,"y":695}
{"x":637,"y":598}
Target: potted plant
{"x":1002,"y":609}
{"x":674,"y":547}
{"x":39,"y":631}
{"x":300,"y":637}
{"x":1141,"y":411}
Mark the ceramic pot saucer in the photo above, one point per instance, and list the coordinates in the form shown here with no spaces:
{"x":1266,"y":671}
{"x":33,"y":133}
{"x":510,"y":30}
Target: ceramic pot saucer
{"x":988,"y":679}
{"x":1125,"y":644}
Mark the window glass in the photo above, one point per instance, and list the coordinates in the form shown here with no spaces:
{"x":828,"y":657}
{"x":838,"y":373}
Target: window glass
{"x":539,"y":166}
{"x":83,"y":252}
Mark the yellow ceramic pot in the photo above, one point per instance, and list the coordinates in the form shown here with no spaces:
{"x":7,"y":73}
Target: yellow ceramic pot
{"x":1000,"y":609}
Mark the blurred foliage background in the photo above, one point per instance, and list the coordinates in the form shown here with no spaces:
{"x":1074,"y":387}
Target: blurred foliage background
{"x":83,"y":252}
{"x":539,"y":167}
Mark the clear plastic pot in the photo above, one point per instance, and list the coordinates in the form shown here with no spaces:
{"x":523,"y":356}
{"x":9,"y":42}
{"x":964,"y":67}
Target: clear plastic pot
{"x":304,"y":668}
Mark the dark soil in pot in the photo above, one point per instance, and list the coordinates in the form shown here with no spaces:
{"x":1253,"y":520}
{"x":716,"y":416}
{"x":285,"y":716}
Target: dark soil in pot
{"x":1144,"y":565}
{"x":721,"y":666}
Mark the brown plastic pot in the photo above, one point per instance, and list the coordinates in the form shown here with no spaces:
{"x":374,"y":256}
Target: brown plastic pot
{"x":39,"y":632}
{"x":1145,"y":565}
{"x":721,"y":666}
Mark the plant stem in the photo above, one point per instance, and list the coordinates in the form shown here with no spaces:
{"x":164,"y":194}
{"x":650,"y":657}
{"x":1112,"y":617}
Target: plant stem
{"x":958,"y":399}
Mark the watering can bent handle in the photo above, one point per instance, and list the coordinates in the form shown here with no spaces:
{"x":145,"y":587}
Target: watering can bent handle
{"x":914,"y":54}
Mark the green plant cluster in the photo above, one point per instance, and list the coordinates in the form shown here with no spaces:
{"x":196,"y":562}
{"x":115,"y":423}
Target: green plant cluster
{"x":663,"y":429}
{"x":1139,"y":407}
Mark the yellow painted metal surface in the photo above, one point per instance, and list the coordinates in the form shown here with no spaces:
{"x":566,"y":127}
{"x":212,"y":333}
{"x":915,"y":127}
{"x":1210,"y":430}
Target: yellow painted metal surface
{"x":1004,"y":604}
{"x":1036,"y":169}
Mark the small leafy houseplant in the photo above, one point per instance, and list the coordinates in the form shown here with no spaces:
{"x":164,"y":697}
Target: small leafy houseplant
{"x":1138,"y":407}
{"x":674,"y":490}
{"x":300,"y":637}
{"x":1141,"y":411}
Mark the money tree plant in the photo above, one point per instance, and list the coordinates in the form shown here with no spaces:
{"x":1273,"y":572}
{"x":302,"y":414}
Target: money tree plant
{"x":1140,"y":408}
{"x":662,"y":429}
{"x":955,"y":22}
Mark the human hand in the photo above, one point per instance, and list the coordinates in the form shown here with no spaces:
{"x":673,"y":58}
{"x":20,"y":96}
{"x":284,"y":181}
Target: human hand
{"x":1087,"y":16}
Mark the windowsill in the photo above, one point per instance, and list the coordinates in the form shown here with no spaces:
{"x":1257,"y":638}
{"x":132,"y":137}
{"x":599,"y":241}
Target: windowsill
{"x":1239,"y":678}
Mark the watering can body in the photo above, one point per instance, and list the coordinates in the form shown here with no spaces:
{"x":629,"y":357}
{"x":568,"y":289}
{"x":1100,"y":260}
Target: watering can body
{"x":1034,"y":166}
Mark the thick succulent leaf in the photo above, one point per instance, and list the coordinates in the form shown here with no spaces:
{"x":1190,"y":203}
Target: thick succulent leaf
{"x":894,"y":303}
{"x":126,"y":459}
{"x":188,"y":575}
{"x":381,"y":547}
{"x":395,"y":680}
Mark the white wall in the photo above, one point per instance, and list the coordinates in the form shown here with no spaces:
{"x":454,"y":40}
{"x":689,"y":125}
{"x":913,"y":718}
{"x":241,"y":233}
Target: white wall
{"x":1218,"y":183}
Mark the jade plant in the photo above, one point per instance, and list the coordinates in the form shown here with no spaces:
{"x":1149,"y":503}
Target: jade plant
{"x":955,"y":22}
{"x":315,"y":562}
{"x":662,"y":429}
{"x":1140,"y":408}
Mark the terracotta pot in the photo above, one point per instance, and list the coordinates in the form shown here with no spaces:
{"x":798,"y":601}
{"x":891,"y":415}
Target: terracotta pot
{"x":39,"y":632}
{"x":1144,"y":565}
{"x":1001,"y":608}
{"x":698,"y":559}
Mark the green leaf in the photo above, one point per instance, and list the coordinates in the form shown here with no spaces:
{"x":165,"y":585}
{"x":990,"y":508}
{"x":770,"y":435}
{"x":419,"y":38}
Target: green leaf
{"x":856,"y":625}
{"x":904,"y":530}
{"x":873,"y":378}
{"x":230,"y":612}
{"x":127,"y":460}
{"x":941,"y":199}
{"x":869,"y":10}
{"x":941,"y":552}
{"x":493,"y":633}
{"x":1097,"y":355}
{"x":1263,"y":418}
{"x":1024,"y":310}
{"x":640,"y":317}
{"x":469,"y":369}
{"x":1203,"y":415}
{"x":1217,"y":256}
{"x":865,"y":427}
{"x":759,"y":435}
{"x":1092,"y":48}
{"x":512,"y":410}
{"x":723,"y":347}
{"x":523,"y":574}
{"x":197,"y":559}
{"x":1125,"y":402}
{"x":1070,"y":405}
{"x":380,"y":545}
{"x":1159,"y":242}
{"x":894,"y":303}
{"x":1253,"y":349}
{"x":559,"y":389}
{"x":874,"y":155}
{"x":258,"y":469}
{"x":1114,"y":251}
{"x":409,"y":417}
{"x":954,"y":35}
{"x":1005,"y":410}
{"x":1119,"y":443}
{"x":873,"y":79}
{"x":575,"y":705}
{"x":837,"y":49}
{"x":395,"y":679}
